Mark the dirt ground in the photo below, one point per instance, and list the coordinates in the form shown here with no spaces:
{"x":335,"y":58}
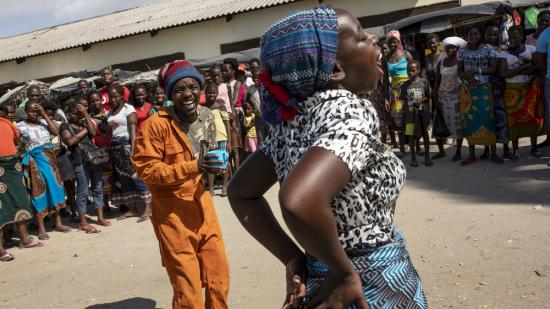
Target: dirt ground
{"x":479,"y":237}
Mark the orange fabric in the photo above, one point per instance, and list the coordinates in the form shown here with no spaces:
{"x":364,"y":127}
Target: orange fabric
{"x":8,"y":134}
{"x":184,"y":218}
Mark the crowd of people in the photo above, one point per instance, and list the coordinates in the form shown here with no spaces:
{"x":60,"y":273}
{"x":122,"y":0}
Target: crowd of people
{"x":80,"y":154}
{"x":475,"y":88}
{"x":147,"y":150}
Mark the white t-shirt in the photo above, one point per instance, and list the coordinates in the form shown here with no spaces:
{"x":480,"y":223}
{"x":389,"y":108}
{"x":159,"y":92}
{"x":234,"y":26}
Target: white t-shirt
{"x":33,"y":135}
{"x":512,"y":61}
{"x":119,"y":122}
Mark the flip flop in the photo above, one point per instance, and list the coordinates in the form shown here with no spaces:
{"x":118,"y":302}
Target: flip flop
{"x":7,"y":257}
{"x":104,"y":223}
{"x":88,"y":229}
{"x":31,"y":244}
{"x":64,"y":229}
{"x":43,"y":236}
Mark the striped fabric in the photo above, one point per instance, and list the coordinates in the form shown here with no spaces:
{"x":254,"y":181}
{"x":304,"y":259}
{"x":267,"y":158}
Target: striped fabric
{"x":299,"y":52}
{"x":389,"y":278}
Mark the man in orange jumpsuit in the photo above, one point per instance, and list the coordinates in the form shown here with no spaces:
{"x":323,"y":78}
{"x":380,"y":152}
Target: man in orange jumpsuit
{"x":184,"y":219}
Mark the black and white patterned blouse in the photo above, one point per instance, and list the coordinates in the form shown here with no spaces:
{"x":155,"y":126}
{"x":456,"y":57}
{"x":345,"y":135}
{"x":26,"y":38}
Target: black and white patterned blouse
{"x":337,"y":120}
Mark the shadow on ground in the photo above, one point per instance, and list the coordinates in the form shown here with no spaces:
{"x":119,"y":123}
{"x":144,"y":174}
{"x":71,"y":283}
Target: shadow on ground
{"x":526,"y":181}
{"x":131,"y":303}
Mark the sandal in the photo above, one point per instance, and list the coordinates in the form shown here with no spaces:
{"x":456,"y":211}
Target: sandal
{"x":43,"y":236}
{"x":30,"y":243}
{"x":63,"y":229}
{"x":7,"y":257}
{"x":88,"y":229}
{"x":126,"y":216}
{"x":104,"y":223}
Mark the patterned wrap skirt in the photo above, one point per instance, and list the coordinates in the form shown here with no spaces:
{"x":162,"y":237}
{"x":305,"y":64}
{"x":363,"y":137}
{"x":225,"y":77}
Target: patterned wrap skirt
{"x":476,"y":107}
{"x":44,"y":180}
{"x":397,"y":112}
{"x":525,"y":109}
{"x":388,"y":276}
{"x":126,"y":188}
{"x":14,"y":200}
{"x":450,"y":105}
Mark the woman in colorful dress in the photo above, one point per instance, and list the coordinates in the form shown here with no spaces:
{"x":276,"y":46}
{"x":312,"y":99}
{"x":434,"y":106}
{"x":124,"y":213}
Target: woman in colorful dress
{"x":522,"y":94}
{"x":339,"y":183}
{"x":14,"y":199}
{"x":476,"y":63}
{"x":41,"y":173}
{"x":447,"y":96}
{"x":395,"y":74}
{"x":127,"y":188}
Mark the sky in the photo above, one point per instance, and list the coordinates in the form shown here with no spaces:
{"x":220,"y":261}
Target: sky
{"x":20,"y":16}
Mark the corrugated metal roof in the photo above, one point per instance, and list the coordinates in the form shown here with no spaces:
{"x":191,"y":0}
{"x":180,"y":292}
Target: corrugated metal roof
{"x":166,"y":14}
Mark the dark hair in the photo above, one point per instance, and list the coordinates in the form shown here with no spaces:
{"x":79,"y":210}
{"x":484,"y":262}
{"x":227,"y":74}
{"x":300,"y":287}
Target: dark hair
{"x":134,"y":90}
{"x":415,"y":62}
{"x":382,"y":41}
{"x":431,"y":36}
{"x":516,"y":28}
{"x":478,"y":29}
{"x":92,"y":92}
{"x":215,"y":66}
{"x":254,"y":60}
{"x":117,"y":87}
{"x":233,"y":62}
{"x":49,"y":105}
{"x":542,"y":13}
{"x":4,"y":107}
{"x":83,"y":81}
{"x":491,"y":25}
{"x":30,"y":89}
{"x":211,"y":86}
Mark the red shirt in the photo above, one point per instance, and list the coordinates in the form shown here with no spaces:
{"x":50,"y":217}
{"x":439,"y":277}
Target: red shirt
{"x":105,"y":97}
{"x":8,"y":134}
{"x":142,"y":113}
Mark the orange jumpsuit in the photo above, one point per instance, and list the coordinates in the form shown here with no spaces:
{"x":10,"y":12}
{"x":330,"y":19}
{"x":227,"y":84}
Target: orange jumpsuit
{"x":184,"y":218}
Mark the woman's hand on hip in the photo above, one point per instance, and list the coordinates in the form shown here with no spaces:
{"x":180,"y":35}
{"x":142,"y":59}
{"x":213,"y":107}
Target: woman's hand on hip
{"x":338,"y":291}
{"x":295,"y":281}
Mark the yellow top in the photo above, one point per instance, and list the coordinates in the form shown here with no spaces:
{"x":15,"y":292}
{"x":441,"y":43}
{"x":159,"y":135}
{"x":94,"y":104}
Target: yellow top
{"x":250,"y":125}
{"x":219,"y":117}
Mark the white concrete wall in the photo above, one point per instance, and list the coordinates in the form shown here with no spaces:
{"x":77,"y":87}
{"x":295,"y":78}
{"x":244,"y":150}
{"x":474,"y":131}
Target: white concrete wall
{"x":200,"y":40}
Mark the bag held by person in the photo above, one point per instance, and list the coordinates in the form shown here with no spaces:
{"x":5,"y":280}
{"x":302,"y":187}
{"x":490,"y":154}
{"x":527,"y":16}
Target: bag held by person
{"x":93,"y":155}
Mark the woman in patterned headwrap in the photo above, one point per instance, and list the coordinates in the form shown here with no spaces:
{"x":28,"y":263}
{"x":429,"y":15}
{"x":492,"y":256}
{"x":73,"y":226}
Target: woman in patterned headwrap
{"x":339,"y":184}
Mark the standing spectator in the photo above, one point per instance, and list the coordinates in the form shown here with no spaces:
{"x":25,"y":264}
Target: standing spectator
{"x":84,"y":87}
{"x":521,"y":94}
{"x":102,"y":139}
{"x":447,"y":96}
{"x":108,"y":78}
{"x":541,"y":59}
{"x":492,"y":37}
{"x":395,"y":74}
{"x":249,"y":126}
{"x":417,"y":95}
{"x":221,"y":120}
{"x":42,"y":175}
{"x":143,"y":108}
{"x":223,"y":89}
{"x":435,"y":56}
{"x":80,"y":129}
{"x":14,"y":198}
{"x":127,"y":188}
{"x":543,"y":21}
{"x":476,"y":63}
{"x":159,"y":99}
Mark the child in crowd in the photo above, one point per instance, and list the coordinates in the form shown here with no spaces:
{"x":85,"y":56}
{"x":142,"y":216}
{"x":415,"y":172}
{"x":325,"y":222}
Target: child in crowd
{"x":221,"y":119}
{"x":249,"y":124}
{"x":416,"y":94}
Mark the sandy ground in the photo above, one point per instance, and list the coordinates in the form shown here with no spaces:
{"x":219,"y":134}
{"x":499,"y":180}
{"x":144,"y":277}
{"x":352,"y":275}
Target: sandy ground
{"x":475,"y":234}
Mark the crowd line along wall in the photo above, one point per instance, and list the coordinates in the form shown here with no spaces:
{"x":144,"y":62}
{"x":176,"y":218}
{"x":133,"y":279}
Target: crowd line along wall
{"x":199,"y":40}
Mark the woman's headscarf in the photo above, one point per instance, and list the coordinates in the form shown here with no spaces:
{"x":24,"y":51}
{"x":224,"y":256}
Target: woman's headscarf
{"x":395,"y":34}
{"x":298,"y":54}
{"x":455,"y":41}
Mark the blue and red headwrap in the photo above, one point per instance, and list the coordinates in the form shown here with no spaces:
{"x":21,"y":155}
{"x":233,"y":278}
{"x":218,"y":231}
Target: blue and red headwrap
{"x":298,"y":54}
{"x":172,"y":72}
